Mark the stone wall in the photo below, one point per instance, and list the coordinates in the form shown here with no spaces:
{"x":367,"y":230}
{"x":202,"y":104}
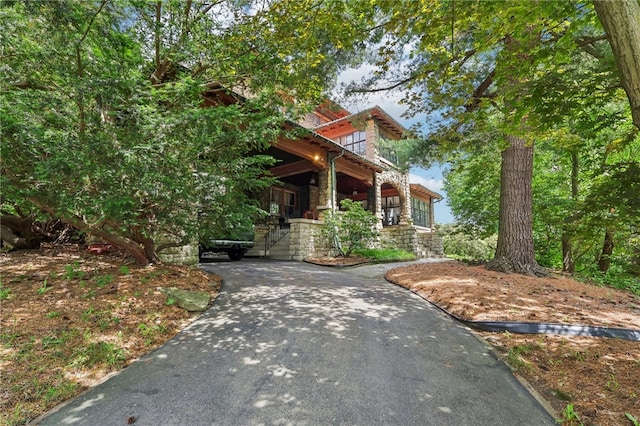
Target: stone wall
{"x":183,"y":255}
{"x":406,"y":237}
{"x":428,"y":244}
{"x":398,"y":236}
{"x":306,"y":239}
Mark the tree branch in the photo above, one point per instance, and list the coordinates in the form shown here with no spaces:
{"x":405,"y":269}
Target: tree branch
{"x":479,"y":93}
{"x":414,"y":75}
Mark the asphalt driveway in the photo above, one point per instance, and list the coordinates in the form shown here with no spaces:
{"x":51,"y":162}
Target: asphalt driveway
{"x":289,"y":343}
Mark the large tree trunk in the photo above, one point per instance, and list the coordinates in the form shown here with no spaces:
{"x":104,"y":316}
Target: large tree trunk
{"x":19,"y":232}
{"x":621,"y":21}
{"x":515,"y":252}
{"x":568,"y":264}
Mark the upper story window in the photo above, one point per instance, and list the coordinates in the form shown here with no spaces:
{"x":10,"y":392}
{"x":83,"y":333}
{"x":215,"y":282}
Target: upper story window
{"x":356,"y":142}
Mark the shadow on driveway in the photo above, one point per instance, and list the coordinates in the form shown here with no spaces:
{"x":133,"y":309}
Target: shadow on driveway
{"x":290,"y":343}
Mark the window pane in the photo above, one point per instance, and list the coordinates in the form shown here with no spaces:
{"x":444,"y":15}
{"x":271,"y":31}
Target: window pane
{"x":290,"y":198}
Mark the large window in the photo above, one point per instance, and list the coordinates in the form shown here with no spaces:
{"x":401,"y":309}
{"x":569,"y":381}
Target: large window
{"x":420,"y":212}
{"x":282,"y":203}
{"x":355,"y":142}
{"x":391,"y":209}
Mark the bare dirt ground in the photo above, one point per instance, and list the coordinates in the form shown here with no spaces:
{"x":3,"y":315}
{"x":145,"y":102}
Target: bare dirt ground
{"x":68,"y":319}
{"x":599,"y":377}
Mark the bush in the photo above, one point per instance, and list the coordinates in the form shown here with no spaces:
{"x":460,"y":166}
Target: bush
{"x":465,"y":245}
{"x":350,"y":229}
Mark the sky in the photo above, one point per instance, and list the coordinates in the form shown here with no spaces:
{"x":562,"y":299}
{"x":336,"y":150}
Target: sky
{"x":389,"y":102}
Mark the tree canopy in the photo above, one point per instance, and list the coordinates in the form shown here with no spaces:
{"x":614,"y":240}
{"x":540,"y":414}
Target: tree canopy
{"x":502,"y":76}
{"x":118,"y":117}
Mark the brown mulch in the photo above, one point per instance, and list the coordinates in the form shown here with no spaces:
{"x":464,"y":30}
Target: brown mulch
{"x":600,"y":377}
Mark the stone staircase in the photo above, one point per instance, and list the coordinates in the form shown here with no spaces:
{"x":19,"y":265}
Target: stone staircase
{"x":279,"y":250}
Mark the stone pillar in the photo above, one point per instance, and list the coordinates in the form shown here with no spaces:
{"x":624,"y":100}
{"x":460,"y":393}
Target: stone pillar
{"x":405,"y":200}
{"x":314,"y":197}
{"x":324,"y":191}
{"x":432,"y":219}
{"x":373,"y":135}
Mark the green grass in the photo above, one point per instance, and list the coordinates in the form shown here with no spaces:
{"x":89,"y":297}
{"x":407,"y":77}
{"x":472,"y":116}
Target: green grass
{"x":386,"y":255}
{"x":103,"y":280}
{"x":614,"y":280}
{"x":97,"y":353}
{"x":72,"y":271}
{"x":4,"y":292}
{"x":515,"y":357}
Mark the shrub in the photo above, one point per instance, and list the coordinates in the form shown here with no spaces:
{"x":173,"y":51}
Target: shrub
{"x":350,"y":229}
{"x":468,"y":245}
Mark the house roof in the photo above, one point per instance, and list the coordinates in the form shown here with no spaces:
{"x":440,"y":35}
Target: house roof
{"x":218,"y":93}
{"x":425,"y":192}
{"x":331,"y":146}
{"x":376,"y":112}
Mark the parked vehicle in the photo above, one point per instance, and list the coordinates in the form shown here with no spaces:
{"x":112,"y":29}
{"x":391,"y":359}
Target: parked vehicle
{"x":235,"y":247}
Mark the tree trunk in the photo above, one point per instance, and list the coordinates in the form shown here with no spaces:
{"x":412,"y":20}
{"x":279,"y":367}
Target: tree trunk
{"x":515,"y":252}
{"x":19,"y":232}
{"x":568,"y":262}
{"x":621,"y":21}
{"x":130,"y":246}
{"x":607,"y":250}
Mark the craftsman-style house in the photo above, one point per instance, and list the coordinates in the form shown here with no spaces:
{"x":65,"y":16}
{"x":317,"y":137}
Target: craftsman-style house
{"x":341,"y":157}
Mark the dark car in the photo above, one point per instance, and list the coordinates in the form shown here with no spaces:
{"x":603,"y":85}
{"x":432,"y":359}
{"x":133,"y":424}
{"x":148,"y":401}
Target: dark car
{"x":235,"y":247}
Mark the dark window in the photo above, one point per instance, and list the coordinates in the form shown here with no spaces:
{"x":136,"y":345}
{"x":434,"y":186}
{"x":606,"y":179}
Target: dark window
{"x":391,"y":209}
{"x":283,"y":203}
{"x":420,"y":213}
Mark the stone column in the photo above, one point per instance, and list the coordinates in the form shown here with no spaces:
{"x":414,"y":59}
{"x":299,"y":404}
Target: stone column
{"x":373,"y":136}
{"x":405,"y":200}
{"x":324,"y":191}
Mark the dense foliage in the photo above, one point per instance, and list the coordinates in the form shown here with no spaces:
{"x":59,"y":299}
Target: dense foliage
{"x":502,"y":77}
{"x":103,"y":124}
{"x":467,"y":243}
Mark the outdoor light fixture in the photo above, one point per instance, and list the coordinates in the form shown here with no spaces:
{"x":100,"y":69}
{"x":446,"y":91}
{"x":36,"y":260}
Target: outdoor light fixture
{"x":355,"y":191}
{"x":312,"y":181}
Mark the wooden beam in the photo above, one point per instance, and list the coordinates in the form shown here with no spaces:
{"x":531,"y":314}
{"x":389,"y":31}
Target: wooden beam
{"x":293,"y":169}
{"x":349,"y":168}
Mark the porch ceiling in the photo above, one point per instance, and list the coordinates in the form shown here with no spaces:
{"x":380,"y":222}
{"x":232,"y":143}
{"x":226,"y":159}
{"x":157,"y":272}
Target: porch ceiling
{"x":295,"y":168}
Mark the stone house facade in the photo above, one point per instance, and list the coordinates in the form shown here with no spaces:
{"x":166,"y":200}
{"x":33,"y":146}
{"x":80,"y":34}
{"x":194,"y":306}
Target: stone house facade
{"x":342,"y":156}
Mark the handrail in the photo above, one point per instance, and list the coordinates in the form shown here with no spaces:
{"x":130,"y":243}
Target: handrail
{"x":274,"y":235}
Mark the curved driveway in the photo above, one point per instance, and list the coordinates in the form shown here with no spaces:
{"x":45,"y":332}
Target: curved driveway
{"x":289,"y":343}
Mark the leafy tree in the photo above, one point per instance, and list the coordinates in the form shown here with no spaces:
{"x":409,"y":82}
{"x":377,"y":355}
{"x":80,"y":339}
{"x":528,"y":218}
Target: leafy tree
{"x":486,"y":67}
{"x":351,"y":228}
{"x":621,"y":21}
{"x":467,"y":242}
{"x":118,"y":118}
{"x":472,"y":64}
